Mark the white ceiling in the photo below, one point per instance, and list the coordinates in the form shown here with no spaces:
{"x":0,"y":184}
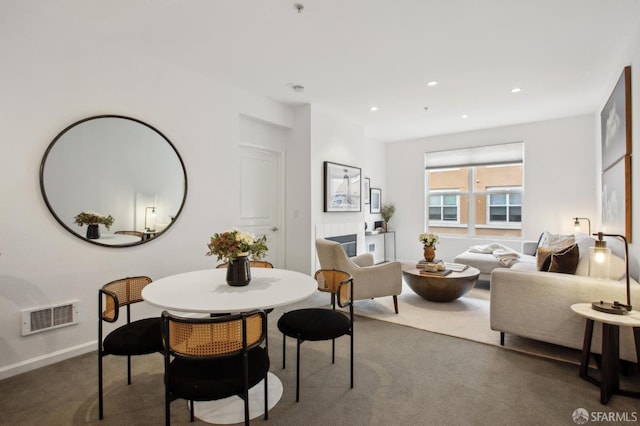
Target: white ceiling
{"x":353,"y":54}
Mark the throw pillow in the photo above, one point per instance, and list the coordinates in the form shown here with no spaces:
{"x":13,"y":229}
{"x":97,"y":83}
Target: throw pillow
{"x":565,"y":261}
{"x":584,"y":241}
{"x":542,"y":255}
{"x":617,"y":268}
{"x":556,"y":241}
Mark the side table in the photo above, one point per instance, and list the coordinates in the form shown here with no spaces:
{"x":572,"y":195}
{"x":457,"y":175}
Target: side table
{"x":609,"y":382}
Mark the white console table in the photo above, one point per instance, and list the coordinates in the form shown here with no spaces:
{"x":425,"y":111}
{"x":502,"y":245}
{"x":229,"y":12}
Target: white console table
{"x":381,"y":244}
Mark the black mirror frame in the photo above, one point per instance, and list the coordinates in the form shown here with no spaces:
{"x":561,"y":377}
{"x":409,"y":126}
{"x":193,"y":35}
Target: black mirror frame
{"x":50,"y":207}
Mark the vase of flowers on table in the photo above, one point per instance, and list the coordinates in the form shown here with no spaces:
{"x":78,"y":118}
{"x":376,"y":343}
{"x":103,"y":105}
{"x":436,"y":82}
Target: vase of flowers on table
{"x":429,"y":242}
{"x":93,"y":221}
{"x":236,"y":248}
{"x":387,"y":211}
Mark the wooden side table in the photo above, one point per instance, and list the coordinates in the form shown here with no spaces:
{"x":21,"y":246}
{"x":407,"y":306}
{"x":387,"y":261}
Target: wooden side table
{"x":609,"y":382}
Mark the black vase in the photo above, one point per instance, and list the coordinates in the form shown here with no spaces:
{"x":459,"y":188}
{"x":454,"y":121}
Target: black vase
{"x":93,"y":232}
{"x":239,"y":272}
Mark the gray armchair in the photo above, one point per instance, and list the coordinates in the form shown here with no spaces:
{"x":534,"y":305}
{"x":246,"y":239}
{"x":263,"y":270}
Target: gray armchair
{"x":369,"y":280}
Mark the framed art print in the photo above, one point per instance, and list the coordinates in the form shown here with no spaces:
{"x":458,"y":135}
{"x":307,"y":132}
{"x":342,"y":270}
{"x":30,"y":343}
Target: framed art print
{"x":341,"y":188}
{"x":365,"y":192}
{"x":616,"y":198}
{"x":615,"y":122}
{"x":376,"y":200}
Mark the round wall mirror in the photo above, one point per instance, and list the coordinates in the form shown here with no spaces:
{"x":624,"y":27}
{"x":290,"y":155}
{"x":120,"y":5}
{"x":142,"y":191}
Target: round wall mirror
{"x":113,"y":181}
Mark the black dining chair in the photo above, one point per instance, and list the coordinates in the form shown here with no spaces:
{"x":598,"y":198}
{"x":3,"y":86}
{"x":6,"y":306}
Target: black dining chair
{"x":139,"y":337}
{"x":315,"y":324}
{"x":213,"y":358}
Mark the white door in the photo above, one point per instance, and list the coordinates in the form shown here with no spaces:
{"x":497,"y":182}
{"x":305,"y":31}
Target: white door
{"x":262,"y":198}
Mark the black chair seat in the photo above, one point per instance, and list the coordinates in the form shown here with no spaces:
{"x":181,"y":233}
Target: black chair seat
{"x":136,"y":338}
{"x":204,"y":380}
{"x":317,"y":324}
{"x":314,"y":324}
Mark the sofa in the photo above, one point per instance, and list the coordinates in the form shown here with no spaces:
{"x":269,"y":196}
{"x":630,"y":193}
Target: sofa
{"x":536,"y":304}
{"x":484,"y":259}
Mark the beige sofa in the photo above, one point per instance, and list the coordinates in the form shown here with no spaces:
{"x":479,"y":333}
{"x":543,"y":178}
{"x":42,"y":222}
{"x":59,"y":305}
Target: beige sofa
{"x":487,"y":262}
{"x":536,"y":305}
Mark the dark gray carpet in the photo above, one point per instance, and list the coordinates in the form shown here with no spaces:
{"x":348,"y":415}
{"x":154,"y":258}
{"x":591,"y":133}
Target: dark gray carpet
{"x":403,"y":376}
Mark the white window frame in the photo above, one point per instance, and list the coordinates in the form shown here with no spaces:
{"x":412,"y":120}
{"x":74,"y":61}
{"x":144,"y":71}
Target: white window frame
{"x":442,"y":193}
{"x":508,"y":191}
{"x":501,"y":155}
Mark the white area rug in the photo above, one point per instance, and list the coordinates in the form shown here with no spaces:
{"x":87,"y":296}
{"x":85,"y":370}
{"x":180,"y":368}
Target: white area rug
{"x":466,"y":318}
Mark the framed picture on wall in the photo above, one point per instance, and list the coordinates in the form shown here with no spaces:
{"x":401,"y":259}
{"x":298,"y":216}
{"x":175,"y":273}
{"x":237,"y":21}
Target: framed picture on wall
{"x":365,"y":192}
{"x":341,"y":188}
{"x":376,"y":200}
{"x":615,"y":122}
{"x":616,"y":198}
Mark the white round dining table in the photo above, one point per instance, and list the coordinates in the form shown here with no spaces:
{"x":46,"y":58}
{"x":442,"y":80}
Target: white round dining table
{"x":206,"y":291}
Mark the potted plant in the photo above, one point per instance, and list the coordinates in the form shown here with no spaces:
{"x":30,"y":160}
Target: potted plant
{"x":235,"y":247}
{"x":386,"y":211}
{"x":429,"y":242}
{"x":93,"y":220}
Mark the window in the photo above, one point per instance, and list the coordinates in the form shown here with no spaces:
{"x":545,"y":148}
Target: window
{"x":475,"y":191}
{"x":444,"y":208}
{"x":504,"y":207}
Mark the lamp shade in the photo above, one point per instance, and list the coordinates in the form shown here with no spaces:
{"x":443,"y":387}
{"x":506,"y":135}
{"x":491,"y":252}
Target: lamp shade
{"x":599,"y":261}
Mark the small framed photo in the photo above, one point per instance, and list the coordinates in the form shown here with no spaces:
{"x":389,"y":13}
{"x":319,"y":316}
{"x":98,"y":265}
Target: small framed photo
{"x":366,"y":196}
{"x":342,"y":187}
{"x":376,"y":200}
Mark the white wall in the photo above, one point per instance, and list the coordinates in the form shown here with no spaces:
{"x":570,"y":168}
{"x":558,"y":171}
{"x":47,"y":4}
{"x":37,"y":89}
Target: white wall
{"x":559,"y":179}
{"x":630,"y":55}
{"x":51,"y":78}
{"x":339,"y":140}
{"x":374,"y":168}
{"x":299,"y":194}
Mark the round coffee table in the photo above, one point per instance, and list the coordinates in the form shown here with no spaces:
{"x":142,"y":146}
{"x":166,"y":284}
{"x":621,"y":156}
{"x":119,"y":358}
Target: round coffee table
{"x":440,"y":289}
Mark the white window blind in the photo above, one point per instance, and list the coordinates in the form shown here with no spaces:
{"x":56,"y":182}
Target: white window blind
{"x":508,"y":153}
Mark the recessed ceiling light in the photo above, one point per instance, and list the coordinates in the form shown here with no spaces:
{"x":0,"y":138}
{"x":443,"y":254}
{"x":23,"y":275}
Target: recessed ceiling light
{"x":374,"y":108}
{"x":516,"y":90}
{"x":465,"y":116}
{"x":432,"y":83}
{"x":426,"y":109}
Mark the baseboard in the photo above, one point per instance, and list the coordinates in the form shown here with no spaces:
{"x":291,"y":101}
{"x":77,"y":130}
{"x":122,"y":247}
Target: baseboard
{"x":47,"y":359}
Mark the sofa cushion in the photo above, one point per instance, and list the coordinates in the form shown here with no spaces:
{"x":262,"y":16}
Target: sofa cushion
{"x":565,"y":261}
{"x":584,"y":241}
{"x":543,"y":254}
{"x":555,"y":241}
{"x":617,"y":268}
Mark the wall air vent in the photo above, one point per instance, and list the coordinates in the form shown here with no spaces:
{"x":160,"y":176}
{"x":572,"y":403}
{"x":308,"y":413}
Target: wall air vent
{"x":49,"y":317}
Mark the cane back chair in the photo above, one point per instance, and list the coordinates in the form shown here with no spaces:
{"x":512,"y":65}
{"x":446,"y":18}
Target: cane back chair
{"x":213,"y":358}
{"x":316,"y":324}
{"x":139,"y":337}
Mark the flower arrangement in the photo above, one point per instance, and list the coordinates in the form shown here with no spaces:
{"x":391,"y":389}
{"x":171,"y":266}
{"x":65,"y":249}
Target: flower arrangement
{"x":428,"y":239}
{"x":387,"y":210}
{"x":93,"y":218}
{"x":229,"y":245}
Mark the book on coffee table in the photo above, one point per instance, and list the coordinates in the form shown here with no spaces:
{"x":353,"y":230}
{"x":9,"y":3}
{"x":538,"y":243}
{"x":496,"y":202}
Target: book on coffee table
{"x":456,"y":267}
{"x":420,"y":264}
{"x":442,"y":273}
